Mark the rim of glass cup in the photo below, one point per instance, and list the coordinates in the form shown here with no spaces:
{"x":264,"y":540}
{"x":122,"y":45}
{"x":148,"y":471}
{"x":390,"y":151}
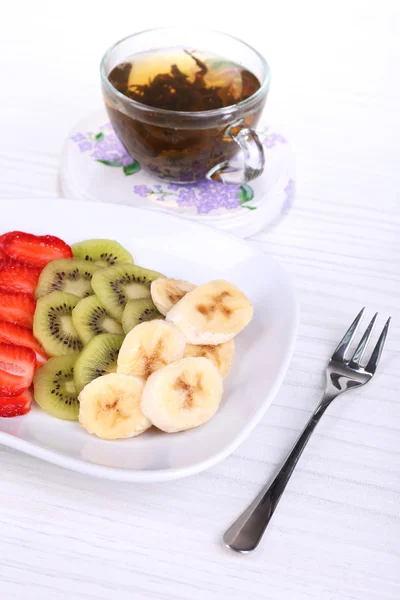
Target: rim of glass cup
{"x":200,"y":113}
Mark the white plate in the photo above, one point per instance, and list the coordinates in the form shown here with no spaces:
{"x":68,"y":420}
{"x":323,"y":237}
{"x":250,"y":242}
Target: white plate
{"x":184,"y":250}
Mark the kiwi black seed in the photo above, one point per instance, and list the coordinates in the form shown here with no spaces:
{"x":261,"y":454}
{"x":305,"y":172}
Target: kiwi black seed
{"x":105,"y":253}
{"x":137,"y":311}
{"x":90,"y":318}
{"x":54,"y":388}
{"x":116,"y":285}
{"x":98,"y":358}
{"x":66,"y":275}
{"x":52,"y":324}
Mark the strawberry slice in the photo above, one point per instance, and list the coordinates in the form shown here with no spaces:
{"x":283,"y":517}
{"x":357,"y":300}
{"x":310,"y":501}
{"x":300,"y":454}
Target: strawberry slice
{"x":34,"y":250}
{"x":16,"y":405}
{"x":17,"y":277}
{"x":10,"y":333}
{"x":17,"y":367}
{"x":17,"y":307}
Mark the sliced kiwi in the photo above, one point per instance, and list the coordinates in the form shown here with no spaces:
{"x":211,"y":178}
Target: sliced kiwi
{"x":105,"y":253}
{"x":66,"y":275}
{"x":98,"y":358}
{"x":52,"y":324}
{"x":90,"y":318}
{"x":116,"y":285}
{"x":137,"y":311}
{"x":54,"y":388}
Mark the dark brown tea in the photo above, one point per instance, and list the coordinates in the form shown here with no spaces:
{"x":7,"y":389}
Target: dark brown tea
{"x":183,"y":80}
{"x":187,"y":81}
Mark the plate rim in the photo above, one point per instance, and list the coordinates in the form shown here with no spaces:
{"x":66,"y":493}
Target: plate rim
{"x":168,"y":474}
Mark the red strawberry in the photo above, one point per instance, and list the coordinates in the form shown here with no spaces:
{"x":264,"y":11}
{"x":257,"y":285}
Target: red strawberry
{"x":8,"y":236}
{"x":17,"y":277}
{"x":17,"y":367}
{"x":16,"y":405}
{"x":34,"y":250}
{"x":17,"y":307}
{"x":10,"y":333}
{"x":3,"y":255}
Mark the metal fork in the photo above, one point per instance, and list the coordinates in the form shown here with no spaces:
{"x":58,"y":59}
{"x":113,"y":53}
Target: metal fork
{"x":342,"y":375}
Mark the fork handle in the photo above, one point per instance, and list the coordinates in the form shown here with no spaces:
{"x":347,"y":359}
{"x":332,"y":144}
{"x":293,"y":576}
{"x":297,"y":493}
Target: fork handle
{"x":246,"y":532}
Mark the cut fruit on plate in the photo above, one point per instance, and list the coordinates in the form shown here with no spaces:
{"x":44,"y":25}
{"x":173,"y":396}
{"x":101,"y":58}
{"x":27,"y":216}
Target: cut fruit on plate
{"x":17,"y":367}
{"x":182,"y":395}
{"x":165,"y":293}
{"x":150,"y":346}
{"x":212,"y":313}
{"x":17,"y":277}
{"x":35,"y":250}
{"x":10,"y":333}
{"x":68,"y":275}
{"x":52,"y":324}
{"x":17,"y":307}
{"x":139,"y":311}
{"x":90,"y":319}
{"x":110,"y":407}
{"x":221,"y":355}
{"x":16,"y":406}
{"x":105,"y":253}
{"x":98,"y":358}
{"x":54,"y":387}
{"x":116,"y":285}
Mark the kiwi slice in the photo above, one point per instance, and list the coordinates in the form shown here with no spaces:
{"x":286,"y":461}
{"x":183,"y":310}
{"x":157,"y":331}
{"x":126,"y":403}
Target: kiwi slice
{"x":90,"y":318}
{"x":54,"y":388}
{"x":66,"y":275}
{"x":105,"y":253}
{"x":137,"y":311}
{"x":52,"y":324}
{"x":98,"y":358}
{"x":116,"y":285}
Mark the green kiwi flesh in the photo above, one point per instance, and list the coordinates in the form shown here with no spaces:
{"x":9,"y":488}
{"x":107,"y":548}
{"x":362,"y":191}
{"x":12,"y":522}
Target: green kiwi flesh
{"x":90,"y":318}
{"x":98,"y":358}
{"x":52,"y":324}
{"x":137,"y":311}
{"x":116,"y":285}
{"x":66,"y":275}
{"x":54,"y":388}
{"x":105,"y":253}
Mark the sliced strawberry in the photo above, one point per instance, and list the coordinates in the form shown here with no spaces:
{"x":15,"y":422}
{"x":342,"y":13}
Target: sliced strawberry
{"x":10,"y":333}
{"x":17,"y":307}
{"x":34,"y":250}
{"x":16,"y":406}
{"x":17,"y":367}
{"x":8,"y":236}
{"x":17,"y":277}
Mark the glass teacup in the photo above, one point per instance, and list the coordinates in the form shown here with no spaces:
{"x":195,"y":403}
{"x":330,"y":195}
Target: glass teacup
{"x":184,"y":146}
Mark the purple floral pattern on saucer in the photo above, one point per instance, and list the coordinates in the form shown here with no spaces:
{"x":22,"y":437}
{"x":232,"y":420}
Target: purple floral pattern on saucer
{"x":269,"y":139}
{"x":106,"y":148}
{"x":205,"y":196}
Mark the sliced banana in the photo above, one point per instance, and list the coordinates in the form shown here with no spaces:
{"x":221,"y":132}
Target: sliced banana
{"x":110,"y":407}
{"x":212,"y":313}
{"x":150,"y":346}
{"x":165,"y":293}
{"x":182,"y":395}
{"x":221,"y":355}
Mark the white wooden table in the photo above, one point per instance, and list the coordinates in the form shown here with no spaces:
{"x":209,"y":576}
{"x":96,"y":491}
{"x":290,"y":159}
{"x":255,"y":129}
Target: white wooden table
{"x":336,"y":534}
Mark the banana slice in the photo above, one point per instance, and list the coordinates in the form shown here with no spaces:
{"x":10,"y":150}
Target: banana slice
{"x":150,"y":346}
{"x":212,"y":313}
{"x":182,"y":395}
{"x":221,"y":355}
{"x":165,"y":293}
{"x":110,"y":407}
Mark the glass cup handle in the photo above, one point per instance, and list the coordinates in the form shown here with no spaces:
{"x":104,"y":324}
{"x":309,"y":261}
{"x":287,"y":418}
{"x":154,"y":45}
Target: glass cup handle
{"x":250,"y":161}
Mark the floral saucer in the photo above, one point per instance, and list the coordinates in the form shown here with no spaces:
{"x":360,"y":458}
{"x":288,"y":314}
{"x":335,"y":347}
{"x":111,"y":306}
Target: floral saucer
{"x":95,"y":166}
